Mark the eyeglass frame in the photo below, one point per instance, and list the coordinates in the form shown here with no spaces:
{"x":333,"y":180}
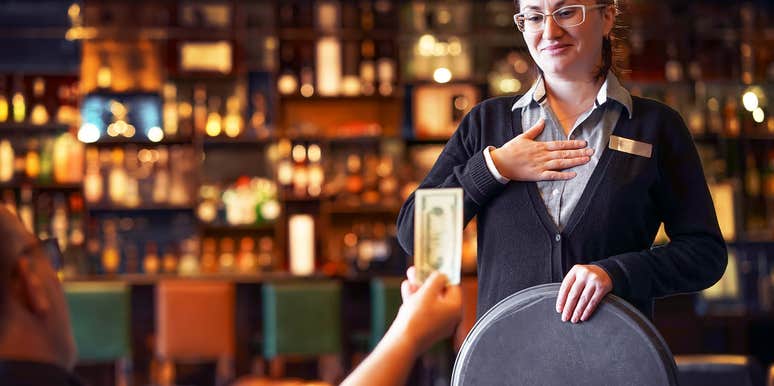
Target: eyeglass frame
{"x":583,"y":7}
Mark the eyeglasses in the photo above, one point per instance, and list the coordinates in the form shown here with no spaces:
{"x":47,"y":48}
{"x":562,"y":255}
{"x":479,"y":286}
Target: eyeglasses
{"x":568,"y":16}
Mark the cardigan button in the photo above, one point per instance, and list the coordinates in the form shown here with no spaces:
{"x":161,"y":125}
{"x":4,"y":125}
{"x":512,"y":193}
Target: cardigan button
{"x":558,"y":237}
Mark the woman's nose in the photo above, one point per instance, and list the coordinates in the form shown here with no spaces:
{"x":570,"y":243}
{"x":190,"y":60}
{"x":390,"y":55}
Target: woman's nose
{"x":551,"y":30}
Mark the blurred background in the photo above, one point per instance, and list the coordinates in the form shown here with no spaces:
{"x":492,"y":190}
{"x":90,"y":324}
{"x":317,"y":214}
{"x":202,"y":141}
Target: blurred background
{"x":264,"y":148}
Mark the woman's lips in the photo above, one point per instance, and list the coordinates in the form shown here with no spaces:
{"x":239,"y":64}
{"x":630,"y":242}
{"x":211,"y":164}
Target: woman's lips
{"x":556,"y":49}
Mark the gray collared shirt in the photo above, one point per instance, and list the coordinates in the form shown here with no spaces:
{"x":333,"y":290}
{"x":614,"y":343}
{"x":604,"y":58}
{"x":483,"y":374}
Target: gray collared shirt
{"x":594,"y":126}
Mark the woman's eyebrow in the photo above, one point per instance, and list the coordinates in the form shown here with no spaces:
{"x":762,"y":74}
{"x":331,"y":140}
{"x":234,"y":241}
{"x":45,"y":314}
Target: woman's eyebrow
{"x":558,"y":4}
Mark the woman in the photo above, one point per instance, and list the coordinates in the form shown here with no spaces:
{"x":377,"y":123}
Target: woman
{"x":570,"y":181}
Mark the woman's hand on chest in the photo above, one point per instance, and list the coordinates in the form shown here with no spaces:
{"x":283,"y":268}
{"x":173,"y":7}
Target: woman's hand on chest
{"x":524,"y":159}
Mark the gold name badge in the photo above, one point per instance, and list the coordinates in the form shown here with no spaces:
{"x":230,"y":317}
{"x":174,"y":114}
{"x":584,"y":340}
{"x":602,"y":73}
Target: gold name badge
{"x":631,"y":146}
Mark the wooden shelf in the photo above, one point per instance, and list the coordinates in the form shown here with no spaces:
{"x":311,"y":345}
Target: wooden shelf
{"x":146,"y":143}
{"x":29,"y":128}
{"x":145,"y":279}
{"x":225,"y":229}
{"x":39,"y":186}
{"x":145,"y":209}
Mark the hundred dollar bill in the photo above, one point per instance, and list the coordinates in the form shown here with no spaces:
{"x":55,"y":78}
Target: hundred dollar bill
{"x":438,"y":233}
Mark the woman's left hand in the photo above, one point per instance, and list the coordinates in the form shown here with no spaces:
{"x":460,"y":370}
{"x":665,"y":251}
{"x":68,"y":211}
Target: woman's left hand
{"x":581,"y":292}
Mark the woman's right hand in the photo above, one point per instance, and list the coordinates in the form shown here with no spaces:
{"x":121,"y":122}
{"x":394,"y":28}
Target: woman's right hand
{"x":524,"y":159}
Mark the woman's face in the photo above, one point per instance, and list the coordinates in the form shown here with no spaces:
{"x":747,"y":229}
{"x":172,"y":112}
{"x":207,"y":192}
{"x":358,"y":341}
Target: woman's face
{"x":571,"y":52}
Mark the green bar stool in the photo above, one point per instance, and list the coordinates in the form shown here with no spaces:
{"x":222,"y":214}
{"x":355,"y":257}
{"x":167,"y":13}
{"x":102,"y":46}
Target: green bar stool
{"x":385,"y":303}
{"x":100,"y":317}
{"x":303,"y":320}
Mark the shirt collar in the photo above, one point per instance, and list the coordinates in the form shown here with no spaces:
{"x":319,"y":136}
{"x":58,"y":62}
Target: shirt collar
{"x":611,"y":89}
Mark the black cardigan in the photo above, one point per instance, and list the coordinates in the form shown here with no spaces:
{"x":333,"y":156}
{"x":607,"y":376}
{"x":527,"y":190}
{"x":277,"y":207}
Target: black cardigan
{"x":613,"y":225}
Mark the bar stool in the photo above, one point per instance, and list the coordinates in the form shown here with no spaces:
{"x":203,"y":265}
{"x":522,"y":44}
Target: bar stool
{"x":469,"y":288}
{"x":100,"y":318}
{"x":302,"y":320}
{"x":385,"y":303}
{"x":195,"y":323}
{"x":710,"y":370}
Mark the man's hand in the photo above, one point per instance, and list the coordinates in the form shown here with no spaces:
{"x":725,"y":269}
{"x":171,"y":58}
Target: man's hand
{"x":524,"y":159}
{"x":582,"y":290}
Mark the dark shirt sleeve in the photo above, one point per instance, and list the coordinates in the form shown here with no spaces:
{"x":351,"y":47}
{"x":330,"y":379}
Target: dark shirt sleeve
{"x":696,"y":257}
{"x":460,"y":164}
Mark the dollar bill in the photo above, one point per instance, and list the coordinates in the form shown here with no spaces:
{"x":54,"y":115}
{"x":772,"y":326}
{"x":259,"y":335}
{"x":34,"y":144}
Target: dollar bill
{"x":438,"y":233}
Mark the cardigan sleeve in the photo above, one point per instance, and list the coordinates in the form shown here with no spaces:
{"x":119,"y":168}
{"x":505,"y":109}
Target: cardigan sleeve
{"x":696,"y":257}
{"x":460,"y":164}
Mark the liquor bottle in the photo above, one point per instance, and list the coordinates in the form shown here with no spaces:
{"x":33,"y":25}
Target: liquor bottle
{"x":258,"y":118}
{"x":67,"y":113}
{"x":111,"y":258}
{"x":180,"y":168}
{"x":59,"y":222}
{"x":315,"y":170}
{"x":300,"y":171}
{"x":307,"y":71}
{"x":3,"y":101}
{"x":6,"y":161}
{"x":328,"y":16}
{"x":32,"y":160}
{"x":170,"y":114}
{"x":200,"y":108}
{"x":367,"y":67}
{"x":42,"y":218}
{"x":209,"y":257}
{"x":370,"y":193}
{"x":354,"y":180}
{"x":731,"y":117}
{"x":169,"y":261}
{"x":132,"y":197}
{"x":226,"y":259}
{"x":117,"y":178}
{"x":213,"y":126}
{"x":150,"y":263}
{"x":247,"y":262}
{"x":232,"y":122}
{"x":76,"y":238}
{"x":161,"y":180}
{"x":266,"y":254}
{"x":350,"y":82}
{"x":39,"y":114}
{"x":67,"y":159}
{"x":386,"y":68}
{"x":287,"y":82}
{"x":388,"y":182}
{"x":92,"y":181}
{"x":189,"y":262}
{"x":17,"y":102}
{"x":46,"y":163}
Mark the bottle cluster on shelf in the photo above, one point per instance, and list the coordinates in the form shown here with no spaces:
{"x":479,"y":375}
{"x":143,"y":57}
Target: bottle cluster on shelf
{"x":246,"y":202}
{"x":135,"y":177}
{"x":39,"y":100}
{"x":50,"y":214}
{"x":42,"y":159}
{"x":352,"y":53}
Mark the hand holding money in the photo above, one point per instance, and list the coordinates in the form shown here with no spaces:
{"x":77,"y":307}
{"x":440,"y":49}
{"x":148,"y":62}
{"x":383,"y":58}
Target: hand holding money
{"x":438,"y":233}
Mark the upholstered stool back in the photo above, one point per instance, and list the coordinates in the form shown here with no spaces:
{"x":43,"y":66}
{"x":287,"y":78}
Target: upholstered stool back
{"x":100,"y":316}
{"x":195,"y":322}
{"x":385,"y":303}
{"x":301,"y":318}
{"x":711,"y":370}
